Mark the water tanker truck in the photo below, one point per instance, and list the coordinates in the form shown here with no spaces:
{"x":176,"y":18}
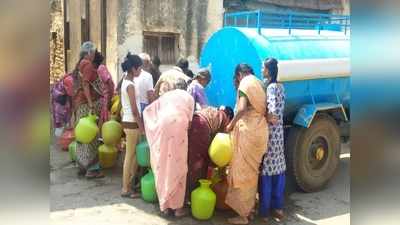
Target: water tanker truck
{"x":313,"y":53}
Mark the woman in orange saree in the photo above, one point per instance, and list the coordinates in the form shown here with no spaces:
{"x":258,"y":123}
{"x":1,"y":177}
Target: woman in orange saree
{"x":249,"y":135}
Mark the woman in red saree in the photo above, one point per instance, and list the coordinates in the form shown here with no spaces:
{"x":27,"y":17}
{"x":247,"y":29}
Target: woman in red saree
{"x":85,"y":88}
{"x":205,"y":125}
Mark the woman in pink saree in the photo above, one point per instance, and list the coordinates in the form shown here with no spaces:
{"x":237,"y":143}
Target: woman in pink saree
{"x":166,"y":122}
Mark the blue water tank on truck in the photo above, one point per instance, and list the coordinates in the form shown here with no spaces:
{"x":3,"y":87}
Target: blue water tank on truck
{"x":313,"y":53}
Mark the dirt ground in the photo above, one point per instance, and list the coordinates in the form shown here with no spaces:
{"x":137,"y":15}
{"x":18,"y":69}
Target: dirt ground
{"x":78,"y":201}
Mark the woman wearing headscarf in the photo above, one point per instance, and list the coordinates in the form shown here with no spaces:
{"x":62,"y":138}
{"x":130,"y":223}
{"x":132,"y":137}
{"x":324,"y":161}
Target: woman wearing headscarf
{"x":167,"y":121}
{"x":249,"y":134}
{"x":205,"y":125}
{"x":85,"y":87}
{"x":272,"y":178}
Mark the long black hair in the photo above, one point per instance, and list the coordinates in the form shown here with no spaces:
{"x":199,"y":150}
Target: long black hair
{"x":156,"y":61}
{"x":131,"y":61}
{"x":272,"y":65}
{"x":183,"y":64}
{"x":243,"y":68}
{"x":229,"y":112}
{"x":98,"y":59}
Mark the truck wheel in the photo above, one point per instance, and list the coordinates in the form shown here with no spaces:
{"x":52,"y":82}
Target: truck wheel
{"x":313,"y":153}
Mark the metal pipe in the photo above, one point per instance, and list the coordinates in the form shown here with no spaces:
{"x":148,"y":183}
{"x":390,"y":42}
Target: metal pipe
{"x":259,"y":21}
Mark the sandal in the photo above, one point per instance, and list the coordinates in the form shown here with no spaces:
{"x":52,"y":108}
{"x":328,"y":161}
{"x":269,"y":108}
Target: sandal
{"x":93,"y":175}
{"x":130,"y":195}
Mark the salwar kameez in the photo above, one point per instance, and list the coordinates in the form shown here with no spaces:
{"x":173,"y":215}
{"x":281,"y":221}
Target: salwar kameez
{"x":272,"y":179}
{"x":271,"y":193}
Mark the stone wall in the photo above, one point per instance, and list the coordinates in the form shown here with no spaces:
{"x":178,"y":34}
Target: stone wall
{"x":130,"y":29}
{"x":193,"y":21}
{"x":112,"y":38}
{"x":345,"y":10}
{"x":57,"y":57}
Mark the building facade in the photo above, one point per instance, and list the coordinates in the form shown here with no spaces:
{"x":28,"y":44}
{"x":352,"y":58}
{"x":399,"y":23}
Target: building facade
{"x":167,"y":28}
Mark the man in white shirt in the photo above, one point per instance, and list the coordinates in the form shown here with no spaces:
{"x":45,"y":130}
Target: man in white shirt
{"x":144,"y":83}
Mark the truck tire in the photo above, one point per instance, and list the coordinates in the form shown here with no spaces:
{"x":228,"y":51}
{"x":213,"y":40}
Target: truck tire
{"x":313,"y":153}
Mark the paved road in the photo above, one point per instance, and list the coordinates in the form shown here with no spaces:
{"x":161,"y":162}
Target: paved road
{"x":77,"y":201}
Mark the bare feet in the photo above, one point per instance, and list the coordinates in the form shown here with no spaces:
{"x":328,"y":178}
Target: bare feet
{"x":238,"y":220}
{"x":165,"y":212}
{"x":130,"y":195}
{"x":265,"y":219}
{"x":252,"y":215}
{"x":180,"y":212}
{"x":278,"y":215}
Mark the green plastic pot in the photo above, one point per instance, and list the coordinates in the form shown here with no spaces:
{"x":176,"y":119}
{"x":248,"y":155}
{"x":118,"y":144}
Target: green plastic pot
{"x":72,"y":151}
{"x":148,"y":187}
{"x":111,"y":132}
{"x":203,"y":201}
{"x":143,"y":153}
{"x":86,"y":129}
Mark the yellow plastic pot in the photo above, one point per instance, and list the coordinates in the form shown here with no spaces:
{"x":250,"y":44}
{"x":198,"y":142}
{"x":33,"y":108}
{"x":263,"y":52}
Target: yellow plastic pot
{"x":111,"y":131}
{"x":107,"y":156}
{"x":86,"y":129}
{"x":115,"y":105}
{"x":220,"y":150}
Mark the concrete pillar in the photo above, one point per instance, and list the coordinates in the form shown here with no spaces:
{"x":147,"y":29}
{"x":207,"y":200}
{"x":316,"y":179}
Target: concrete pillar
{"x":95,"y":23}
{"x":132,"y":32}
{"x":346,"y":7}
{"x":215,"y":15}
{"x":112,"y":46}
{"x":75,"y":32}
